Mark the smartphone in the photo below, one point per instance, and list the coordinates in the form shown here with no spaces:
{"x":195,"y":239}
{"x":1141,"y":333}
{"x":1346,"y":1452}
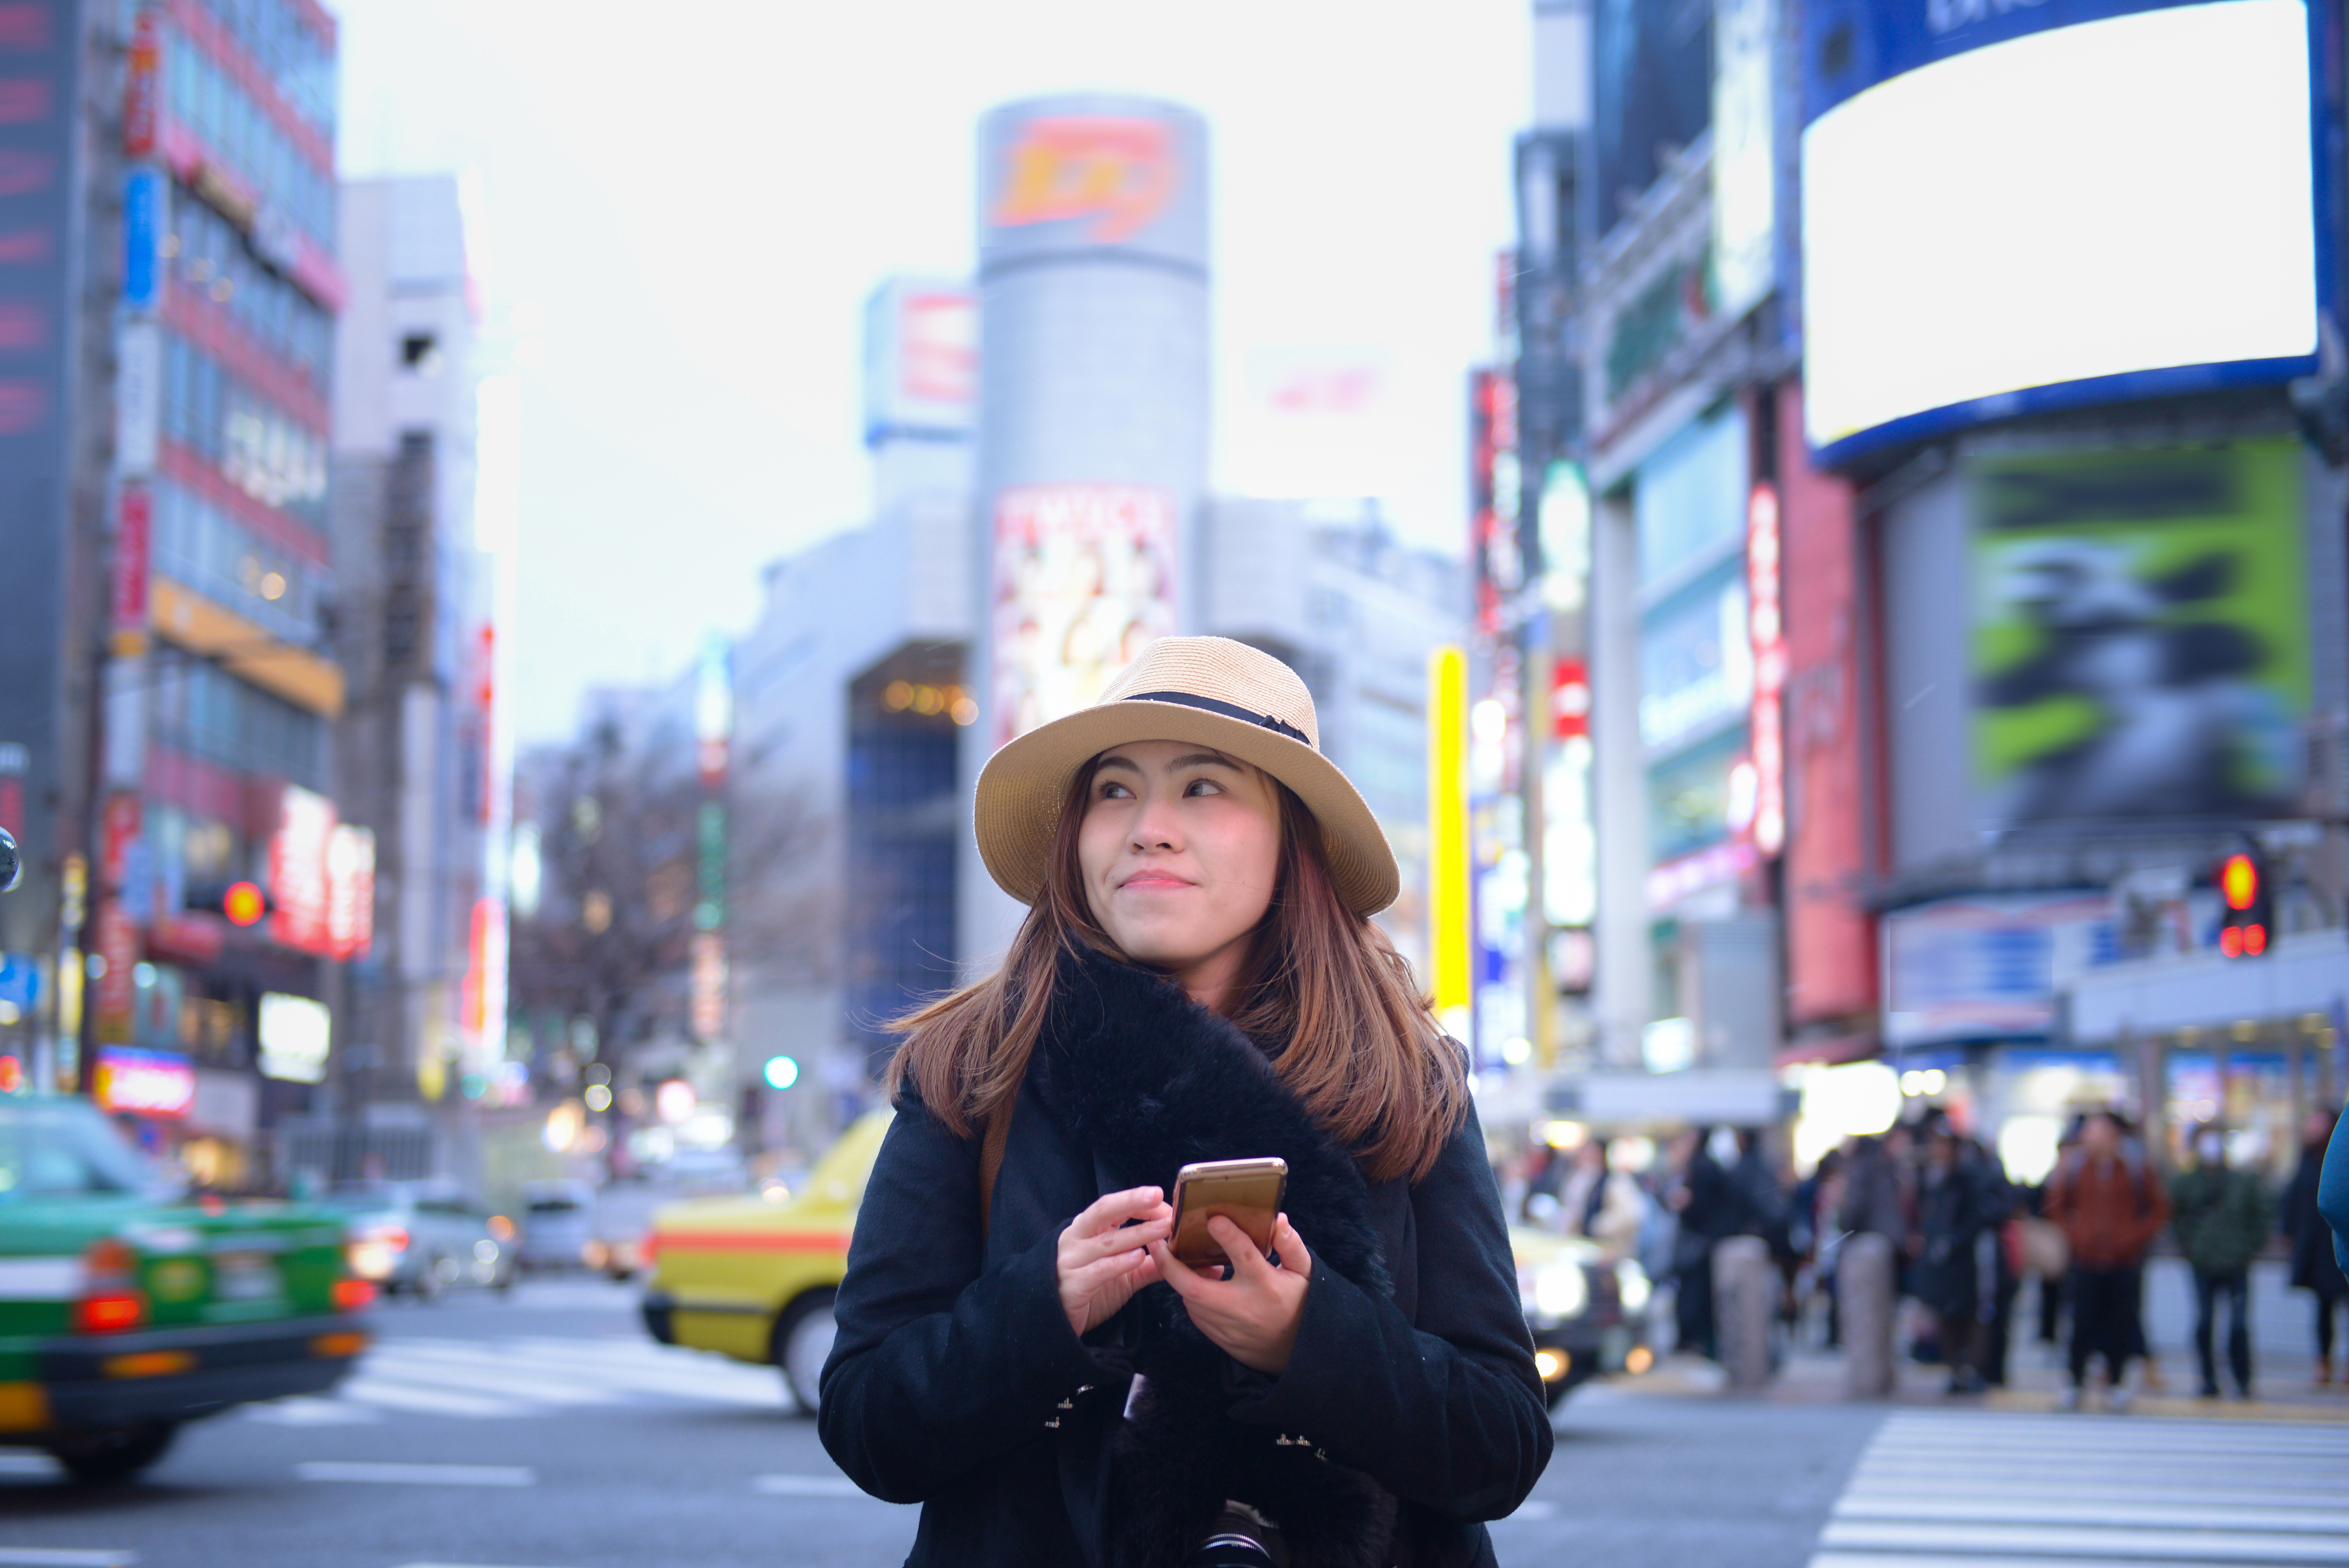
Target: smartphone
{"x":1246,"y":1192}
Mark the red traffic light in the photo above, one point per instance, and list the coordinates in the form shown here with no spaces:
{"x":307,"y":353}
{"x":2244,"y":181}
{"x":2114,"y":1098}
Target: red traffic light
{"x":2239,"y":880}
{"x":243,"y":903}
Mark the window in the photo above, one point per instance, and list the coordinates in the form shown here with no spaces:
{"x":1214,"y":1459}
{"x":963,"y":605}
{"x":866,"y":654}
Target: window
{"x":419,"y":352}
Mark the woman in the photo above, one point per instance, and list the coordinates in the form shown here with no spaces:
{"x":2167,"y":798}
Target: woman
{"x":2316,"y":1267}
{"x":1197,"y":979}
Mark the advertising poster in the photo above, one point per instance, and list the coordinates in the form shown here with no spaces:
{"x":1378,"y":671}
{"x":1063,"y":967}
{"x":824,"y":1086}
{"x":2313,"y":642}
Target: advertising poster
{"x":1989,"y":967}
{"x":1084,"y":580}
{"x":2140,"y":645}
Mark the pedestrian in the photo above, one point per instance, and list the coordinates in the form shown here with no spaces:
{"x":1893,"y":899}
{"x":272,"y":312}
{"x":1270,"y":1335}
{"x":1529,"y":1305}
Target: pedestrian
{"x":1998,"y":1260}
{"x":1814,"y":1235}
{"x":1601,"y":1201}
{"x":1707,"y":1205}
{"x":2223,"y":1217}
{"x":2111,"y":1203}
{"x":1950,"y":1218}
{"x":1197,"y":978}
{"x":2315,"y":1256}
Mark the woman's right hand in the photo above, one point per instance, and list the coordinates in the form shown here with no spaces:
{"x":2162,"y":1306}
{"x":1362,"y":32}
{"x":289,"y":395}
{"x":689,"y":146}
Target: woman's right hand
{"x":1103,"y":1259}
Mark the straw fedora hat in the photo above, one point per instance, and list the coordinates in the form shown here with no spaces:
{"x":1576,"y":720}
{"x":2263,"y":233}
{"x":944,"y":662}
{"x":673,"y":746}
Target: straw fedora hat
{"x":1210,"y":690}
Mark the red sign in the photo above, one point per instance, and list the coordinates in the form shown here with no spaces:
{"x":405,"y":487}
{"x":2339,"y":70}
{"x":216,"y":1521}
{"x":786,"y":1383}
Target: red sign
{"x":350,"y":891}
{"x":298,"y":871}
{"x":115,"y":945}
{"x":143,"y":87}
{"x":1569,"y":698}
{"x":133,"y":558}
{"x":1769,"y":635}
{"x":1117,"y":172}
{"x":937,"y":347}
{"x":145,"y":1083}
{"x":118,"y":827}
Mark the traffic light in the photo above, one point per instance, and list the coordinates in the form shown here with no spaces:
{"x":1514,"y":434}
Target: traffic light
{"x":240,"y":903}
{"x":2250,"y":920}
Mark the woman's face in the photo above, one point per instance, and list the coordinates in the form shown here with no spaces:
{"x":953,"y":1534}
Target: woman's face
{"x":1179,"y":849}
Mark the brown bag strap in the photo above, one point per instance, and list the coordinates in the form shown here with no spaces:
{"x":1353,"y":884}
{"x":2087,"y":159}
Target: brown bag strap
{"x":991,"y":1156}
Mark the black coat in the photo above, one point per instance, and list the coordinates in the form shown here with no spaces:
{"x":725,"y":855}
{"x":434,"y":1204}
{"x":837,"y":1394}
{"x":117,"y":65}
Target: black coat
{"x":2315,"y":1266}
{"x":1410,"y":1409}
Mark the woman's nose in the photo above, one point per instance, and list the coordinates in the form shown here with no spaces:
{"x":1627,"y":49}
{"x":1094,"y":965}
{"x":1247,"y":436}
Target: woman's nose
{"x":1155,"y":826}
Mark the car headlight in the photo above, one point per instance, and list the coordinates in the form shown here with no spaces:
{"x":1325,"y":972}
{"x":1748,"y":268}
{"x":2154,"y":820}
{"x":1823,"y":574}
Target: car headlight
{"x":1560,"y":1291}
{"x":1632,"y":1286}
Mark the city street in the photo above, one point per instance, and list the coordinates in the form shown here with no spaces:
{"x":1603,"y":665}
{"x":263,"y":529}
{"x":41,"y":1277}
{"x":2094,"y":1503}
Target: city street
{"x":546,"y":1431}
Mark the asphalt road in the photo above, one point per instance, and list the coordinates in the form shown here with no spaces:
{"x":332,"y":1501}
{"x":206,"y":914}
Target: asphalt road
{"x":546,"y":1431}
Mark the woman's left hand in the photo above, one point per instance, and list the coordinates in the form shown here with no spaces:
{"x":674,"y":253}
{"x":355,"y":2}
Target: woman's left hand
{"x":1252,"y":1315}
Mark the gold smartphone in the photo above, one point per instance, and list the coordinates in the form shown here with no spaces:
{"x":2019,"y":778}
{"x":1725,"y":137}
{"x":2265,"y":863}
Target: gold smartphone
{"x":1246,"y":1192}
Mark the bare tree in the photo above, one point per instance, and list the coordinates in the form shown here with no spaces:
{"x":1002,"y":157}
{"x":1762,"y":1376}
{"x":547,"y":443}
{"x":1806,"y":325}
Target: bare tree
{"x":621,"y":891}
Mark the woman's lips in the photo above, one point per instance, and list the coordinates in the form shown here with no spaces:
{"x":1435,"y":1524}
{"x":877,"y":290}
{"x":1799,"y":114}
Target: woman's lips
{"x":1151,"y":881}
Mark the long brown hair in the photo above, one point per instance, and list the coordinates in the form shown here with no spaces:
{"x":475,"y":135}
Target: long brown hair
{"x":1358,"y":1044}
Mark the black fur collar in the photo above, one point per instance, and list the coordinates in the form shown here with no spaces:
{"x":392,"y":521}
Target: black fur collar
{"x":1153,"y":1081}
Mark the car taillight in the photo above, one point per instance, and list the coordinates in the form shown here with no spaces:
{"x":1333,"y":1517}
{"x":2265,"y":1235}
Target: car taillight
{"x":111,"y":1301}
{"x":350,"y":1295}
{"x":648,"y":1250}
{"x":391,"y":1236}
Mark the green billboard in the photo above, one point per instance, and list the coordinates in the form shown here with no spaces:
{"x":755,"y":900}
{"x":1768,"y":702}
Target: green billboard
{"x":2141,"y":632}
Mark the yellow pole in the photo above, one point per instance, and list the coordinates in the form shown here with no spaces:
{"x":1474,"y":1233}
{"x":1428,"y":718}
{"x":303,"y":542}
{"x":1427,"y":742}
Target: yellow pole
{"x":1447,"y":836}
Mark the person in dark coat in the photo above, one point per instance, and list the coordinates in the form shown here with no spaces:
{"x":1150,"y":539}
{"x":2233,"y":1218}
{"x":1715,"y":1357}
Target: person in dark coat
{"x":1951,"y":1216}
{"x":2315,"y":1260}
{"x":1706,"y":1203}
{"x":2221,"y":1218}
{"x":1017,"y":1350}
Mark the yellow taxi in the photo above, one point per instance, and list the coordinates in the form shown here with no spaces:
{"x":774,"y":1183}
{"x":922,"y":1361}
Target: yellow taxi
{"x":753,"y":1279}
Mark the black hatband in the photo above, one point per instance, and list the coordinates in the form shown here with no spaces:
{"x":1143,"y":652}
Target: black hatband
{"x":1217,"y":706}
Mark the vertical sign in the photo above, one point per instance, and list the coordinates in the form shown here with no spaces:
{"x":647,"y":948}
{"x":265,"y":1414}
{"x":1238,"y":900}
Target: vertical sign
{"x":1768,"y":631}
{"x":1744,"y":166}
{"x":134,"y":528}
{"x":1447,"y":834}
{"x":143,"y":86}
{"x":142,"y":231}
{"x":298,"y":857}
{"x":350,"y":891}
{"x":1494,"y":487}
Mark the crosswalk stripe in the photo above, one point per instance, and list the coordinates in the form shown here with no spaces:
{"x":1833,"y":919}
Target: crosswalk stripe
{"x":65,"y":1557}
{"x":2002,"y":1489}
{"x":2176,"y":1545}
{"x":397,"y":1474}
{"x":472,"y":1380}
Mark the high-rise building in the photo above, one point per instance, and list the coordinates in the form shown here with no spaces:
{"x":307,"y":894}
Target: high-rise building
{"x":412,"y":627}
{"x":164,"y":397}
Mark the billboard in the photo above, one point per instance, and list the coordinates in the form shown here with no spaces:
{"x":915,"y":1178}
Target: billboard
{"x":2136,"y":218}
{"x":1990,"y":967}
{"x":2141,"y":632}
{"x":1084,"y":580}
{"x":921,"y":359}
{"x":1068,"y":176}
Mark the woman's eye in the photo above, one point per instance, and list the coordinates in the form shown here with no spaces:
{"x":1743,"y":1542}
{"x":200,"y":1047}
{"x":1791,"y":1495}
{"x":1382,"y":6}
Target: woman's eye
{"x":1114,"y":792}
{"x":1201,"y":787}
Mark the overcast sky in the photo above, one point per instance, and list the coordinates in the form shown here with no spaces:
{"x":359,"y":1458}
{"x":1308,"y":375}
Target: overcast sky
{"x":684,"y":219}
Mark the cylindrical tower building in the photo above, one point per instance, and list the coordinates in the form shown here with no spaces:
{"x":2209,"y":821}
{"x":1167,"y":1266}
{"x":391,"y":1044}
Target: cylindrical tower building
{"x":1092,"y":431}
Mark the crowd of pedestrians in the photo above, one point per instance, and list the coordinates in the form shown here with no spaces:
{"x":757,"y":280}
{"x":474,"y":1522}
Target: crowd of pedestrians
{"x":1965,"y":1239}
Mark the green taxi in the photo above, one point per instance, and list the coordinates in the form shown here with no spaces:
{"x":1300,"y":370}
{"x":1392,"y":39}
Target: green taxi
{"x":123,"y":1315}
{"x":754,"y":1279}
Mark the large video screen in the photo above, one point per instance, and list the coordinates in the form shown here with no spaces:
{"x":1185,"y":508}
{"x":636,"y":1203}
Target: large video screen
{"x":2125,"y":203}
